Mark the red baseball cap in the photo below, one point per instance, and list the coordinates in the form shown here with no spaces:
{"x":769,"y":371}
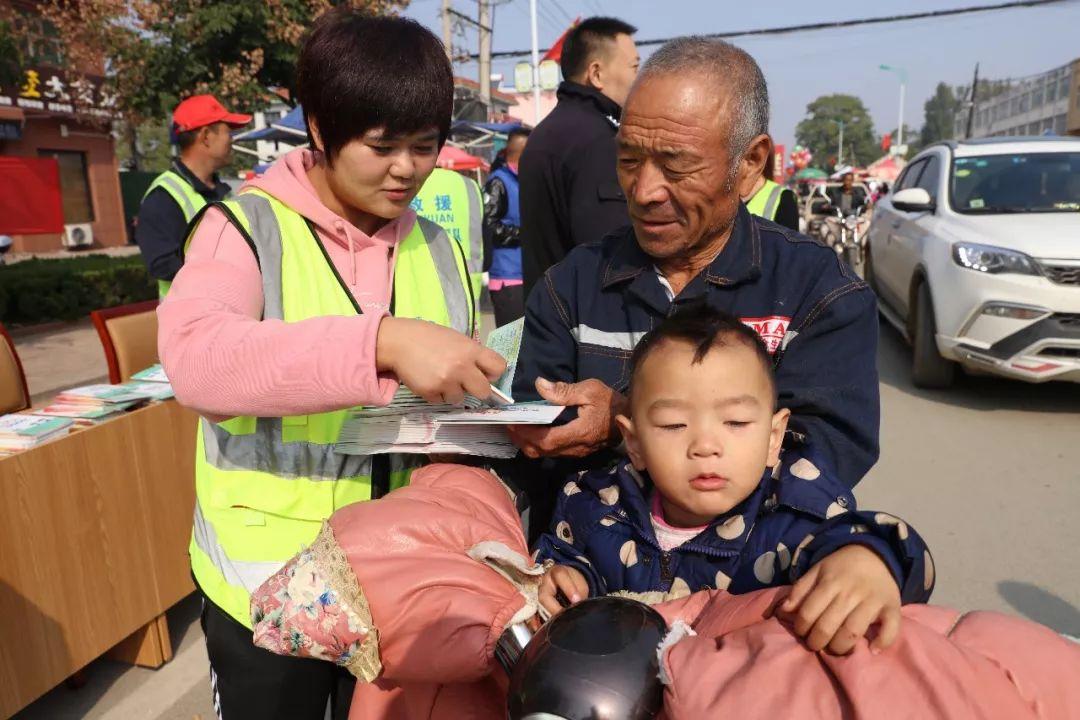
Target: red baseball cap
{"x":202,"y":110}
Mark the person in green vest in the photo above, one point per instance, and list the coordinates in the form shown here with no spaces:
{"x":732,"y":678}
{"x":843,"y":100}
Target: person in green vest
{"x":202,"y":130}
{"x":455,"y":202}
{"x":773,"y":201}
{"x":315,"y":290}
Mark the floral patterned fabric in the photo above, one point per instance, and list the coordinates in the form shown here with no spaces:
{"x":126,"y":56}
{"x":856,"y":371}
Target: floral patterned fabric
{"x":303,"y":611}
{"x":442,"y":566}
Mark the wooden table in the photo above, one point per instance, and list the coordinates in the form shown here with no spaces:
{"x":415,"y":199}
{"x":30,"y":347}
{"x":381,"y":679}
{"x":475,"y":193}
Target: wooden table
{"x":94,"y":529}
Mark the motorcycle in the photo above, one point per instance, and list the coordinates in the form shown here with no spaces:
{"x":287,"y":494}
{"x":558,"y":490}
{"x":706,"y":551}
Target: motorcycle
{"x":846,"y":234}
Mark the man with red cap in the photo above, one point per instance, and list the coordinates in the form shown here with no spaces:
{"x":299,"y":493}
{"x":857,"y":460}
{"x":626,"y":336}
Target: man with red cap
{"x":201,"y":128}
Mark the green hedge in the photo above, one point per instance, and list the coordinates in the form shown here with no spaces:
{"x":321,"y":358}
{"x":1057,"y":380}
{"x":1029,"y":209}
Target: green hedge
{"x":36,"y":291}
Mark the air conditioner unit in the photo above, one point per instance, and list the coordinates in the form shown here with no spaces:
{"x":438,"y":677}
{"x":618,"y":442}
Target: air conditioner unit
{"x":77,"y":235}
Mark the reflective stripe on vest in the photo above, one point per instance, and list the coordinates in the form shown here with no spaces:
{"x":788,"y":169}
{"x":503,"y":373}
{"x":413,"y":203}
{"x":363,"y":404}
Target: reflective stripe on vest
{"x":186,"y":196}
{"x":455,"y":202}
{"x":264,"y":485}
{"x":442,"y":257}
{"x":766,"y":200}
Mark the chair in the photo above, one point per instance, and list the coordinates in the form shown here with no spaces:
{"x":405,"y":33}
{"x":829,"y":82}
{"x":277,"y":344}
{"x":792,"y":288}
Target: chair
{"x":14,"y":393}
{"x":129,"y":336}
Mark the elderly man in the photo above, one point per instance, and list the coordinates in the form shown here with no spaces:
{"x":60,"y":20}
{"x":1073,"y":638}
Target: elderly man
{"x":692,"y":141}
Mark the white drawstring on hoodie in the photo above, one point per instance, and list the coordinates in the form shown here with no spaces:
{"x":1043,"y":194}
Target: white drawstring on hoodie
{"x":341,"y":227}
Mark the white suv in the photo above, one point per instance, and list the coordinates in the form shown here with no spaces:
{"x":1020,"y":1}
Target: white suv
{"x":975,"y":257}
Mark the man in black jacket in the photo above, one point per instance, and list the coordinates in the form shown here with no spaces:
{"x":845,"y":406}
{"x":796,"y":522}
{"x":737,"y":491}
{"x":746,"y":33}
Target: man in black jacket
{"x":569,"y":191}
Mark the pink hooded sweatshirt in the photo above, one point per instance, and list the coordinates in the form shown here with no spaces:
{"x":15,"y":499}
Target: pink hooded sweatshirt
{"x":224,"y":360}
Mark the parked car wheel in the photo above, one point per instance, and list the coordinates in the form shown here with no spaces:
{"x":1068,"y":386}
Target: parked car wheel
{"x":868,"y":269}
{"x":851,"y":257}
{"x":929,"y":369}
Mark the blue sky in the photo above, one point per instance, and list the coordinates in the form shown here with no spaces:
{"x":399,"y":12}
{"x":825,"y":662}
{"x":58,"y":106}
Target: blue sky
{"x":802,"y":66}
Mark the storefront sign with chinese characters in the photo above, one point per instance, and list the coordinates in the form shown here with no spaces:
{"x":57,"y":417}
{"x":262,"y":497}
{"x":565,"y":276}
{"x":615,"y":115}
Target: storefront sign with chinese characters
{"x":53,"y":91}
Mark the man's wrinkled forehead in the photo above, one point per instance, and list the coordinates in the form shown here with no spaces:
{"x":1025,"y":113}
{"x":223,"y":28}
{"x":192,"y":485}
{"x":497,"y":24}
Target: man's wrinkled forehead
{"x":689,"y":103}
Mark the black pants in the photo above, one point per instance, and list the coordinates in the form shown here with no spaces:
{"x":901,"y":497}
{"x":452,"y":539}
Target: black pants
{"x":508,"y":303}
{"x":249,"y":682}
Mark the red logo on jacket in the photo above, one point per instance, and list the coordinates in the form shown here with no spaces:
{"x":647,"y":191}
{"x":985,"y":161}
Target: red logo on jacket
{"x":770,"y":329}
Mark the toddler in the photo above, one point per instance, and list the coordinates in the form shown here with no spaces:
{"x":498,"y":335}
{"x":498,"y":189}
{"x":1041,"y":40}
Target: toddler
{"x":703,"y":501}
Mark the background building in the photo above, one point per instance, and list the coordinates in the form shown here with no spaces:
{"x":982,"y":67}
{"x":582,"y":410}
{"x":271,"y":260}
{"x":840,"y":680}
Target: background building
{"x":51,"y":113}
{"x":525,"y":108}
{"x":1048,"y":103}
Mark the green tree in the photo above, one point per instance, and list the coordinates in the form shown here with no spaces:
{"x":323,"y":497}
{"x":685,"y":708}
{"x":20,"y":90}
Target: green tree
{"x":153,"y":148}
{"x":159,"y":51}
{"x":820,"y":131}
{"x":10,"y":53}
{"x":939,"y":115}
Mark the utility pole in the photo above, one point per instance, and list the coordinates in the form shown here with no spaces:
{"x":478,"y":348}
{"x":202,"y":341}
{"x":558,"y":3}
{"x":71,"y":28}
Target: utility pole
{"x":483,"y":26}
{"x":447,"y":36}
{"x":900,"y":122}
{"x":535,"y":63}
{"x":971,"y":109}
{"x":840,"y":145}
{"x":485,"y":53}
{"x":901,"y":73}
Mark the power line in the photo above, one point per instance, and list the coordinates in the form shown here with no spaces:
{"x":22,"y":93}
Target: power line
{"x":566,"y":16}
{"x":548,"y":19}
{"x":810,"y":27}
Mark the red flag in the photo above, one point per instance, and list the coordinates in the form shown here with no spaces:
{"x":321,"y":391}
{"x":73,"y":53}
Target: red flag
{"x":886,"y":142}
{"x":555,"y":51}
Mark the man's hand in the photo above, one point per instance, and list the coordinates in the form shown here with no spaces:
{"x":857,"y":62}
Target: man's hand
{"x":437,"y":363}
{"x":565,"y":579}
{"x":593,"y":429}
{"x":834,"y":604}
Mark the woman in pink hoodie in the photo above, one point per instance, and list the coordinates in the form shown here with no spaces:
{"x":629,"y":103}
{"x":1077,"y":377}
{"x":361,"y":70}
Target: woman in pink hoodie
{"x":377,"y":94}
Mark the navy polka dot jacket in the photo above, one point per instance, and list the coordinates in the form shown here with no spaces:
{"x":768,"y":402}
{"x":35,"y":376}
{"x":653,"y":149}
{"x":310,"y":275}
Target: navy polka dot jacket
{"x":797,"y":516}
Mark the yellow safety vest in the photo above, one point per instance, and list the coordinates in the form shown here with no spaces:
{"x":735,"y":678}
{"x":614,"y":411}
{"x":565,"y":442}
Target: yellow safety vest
{"x":264,"y":485}
{"x":189,"y":200}
{"x":456,"y":203}
{"x":766,"y":200}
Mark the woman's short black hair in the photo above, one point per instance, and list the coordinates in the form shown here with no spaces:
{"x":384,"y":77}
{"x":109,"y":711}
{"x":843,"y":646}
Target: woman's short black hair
{"x":359,"y":72}
{"x":705,"y":328}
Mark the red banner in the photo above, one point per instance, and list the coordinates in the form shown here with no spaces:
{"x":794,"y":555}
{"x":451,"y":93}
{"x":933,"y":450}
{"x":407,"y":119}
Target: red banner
{"x":555,"y":51}
{"x":30,"y":200}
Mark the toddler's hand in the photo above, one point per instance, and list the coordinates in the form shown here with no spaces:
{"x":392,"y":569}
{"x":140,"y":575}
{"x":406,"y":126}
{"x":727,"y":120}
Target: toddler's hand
{"x":835,"y":603}
{"x":565,"y":579}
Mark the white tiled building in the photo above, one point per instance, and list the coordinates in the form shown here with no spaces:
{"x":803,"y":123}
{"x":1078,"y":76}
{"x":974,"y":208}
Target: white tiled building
{"x":1048,"y":103}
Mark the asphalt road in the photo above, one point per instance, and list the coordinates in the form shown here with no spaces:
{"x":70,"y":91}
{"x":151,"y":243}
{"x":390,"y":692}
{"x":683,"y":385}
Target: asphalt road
{"x":989,"y":473}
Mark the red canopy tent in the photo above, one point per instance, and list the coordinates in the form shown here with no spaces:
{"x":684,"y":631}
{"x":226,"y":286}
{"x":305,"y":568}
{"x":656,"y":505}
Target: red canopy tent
{"x":454,"y":158}
{"x":886,"y":168}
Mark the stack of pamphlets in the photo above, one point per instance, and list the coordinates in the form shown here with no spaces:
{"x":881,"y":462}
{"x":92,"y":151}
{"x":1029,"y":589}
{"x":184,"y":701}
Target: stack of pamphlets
{"x":406,"y":401}
{"x":436,"y":429}
{"x":154,"y":373}
{"x":409,"y":424}
{"x":21,"y":432}
{"x":83,"y":414}
{"x":99,"y":402}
